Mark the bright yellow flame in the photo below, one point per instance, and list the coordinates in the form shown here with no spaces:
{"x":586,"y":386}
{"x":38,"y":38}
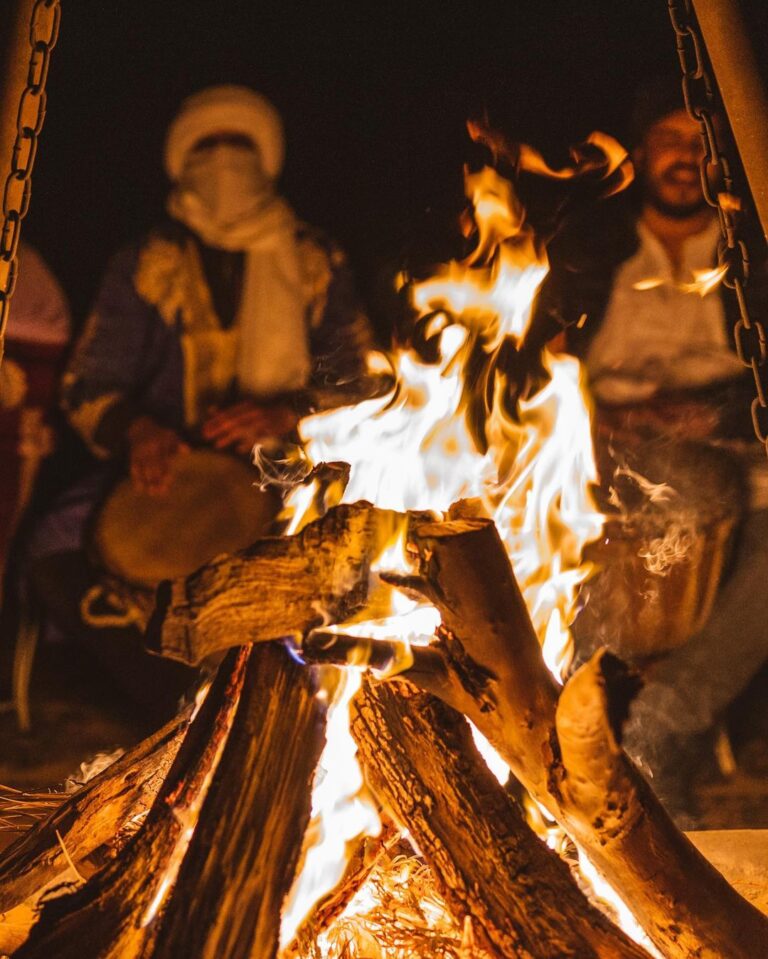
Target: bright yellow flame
{"x":341,"y":811}
{"x":493,"y":289}
{"x":602,"y":890}
{"x":543,"y":504}
{"x":413,"y":450}
{"x":649,"y":284}
{"x":301,"y":507}
{"x":703,"y":283}
{"x":401,"y":445}
{"x":609,"y":157}
{"x":492,"y":759}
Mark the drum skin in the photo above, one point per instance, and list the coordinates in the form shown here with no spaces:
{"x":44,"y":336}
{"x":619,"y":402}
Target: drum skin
{"x":212,"y":507}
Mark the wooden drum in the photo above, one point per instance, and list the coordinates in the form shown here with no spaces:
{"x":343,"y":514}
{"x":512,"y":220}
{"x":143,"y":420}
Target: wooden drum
{"x":672,"y":511}
{"x":138,"y":540}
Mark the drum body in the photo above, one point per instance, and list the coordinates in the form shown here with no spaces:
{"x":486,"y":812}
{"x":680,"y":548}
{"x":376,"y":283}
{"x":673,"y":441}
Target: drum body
{"x":213,"y":506}
{"x":672,"y":510}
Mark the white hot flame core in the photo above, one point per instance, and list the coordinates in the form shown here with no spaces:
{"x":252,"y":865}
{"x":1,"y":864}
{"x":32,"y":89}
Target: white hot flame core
{"x":601,"y":889}
{"x":409,"y":449}
{"x":340,"y":811}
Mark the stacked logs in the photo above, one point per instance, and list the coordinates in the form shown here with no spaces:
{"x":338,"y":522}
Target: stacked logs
{"x":206,"y":874}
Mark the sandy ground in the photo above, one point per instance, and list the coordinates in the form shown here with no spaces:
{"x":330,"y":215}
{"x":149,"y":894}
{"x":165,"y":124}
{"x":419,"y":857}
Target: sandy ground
{"x":75,"y":716}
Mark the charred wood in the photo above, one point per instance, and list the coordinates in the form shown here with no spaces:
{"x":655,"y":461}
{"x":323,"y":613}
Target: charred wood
{"x":89,"y":818}
{"x":279,"y":587}
{"x":112,"y":916}
{"x":420,"y":760}
{"x":227,"y":900}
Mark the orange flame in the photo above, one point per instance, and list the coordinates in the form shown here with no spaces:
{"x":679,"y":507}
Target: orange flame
{"x":703,"y":283}
{"x":531,"y":468}
{"x":493,"y":289}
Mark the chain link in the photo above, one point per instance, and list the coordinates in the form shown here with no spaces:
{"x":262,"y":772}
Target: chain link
{"x":43,"y":34}
{"x":717,"y":186}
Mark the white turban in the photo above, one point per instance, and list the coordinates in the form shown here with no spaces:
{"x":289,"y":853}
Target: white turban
{"x":273,"y":350}
{"x":225,"y":109}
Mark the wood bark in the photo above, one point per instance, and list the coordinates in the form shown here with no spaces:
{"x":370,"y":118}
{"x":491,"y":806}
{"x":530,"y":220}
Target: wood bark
{"x":89,"y":818}
{"x":572,"y":764}
{"x":112,"y":916}
{"x":420,"y":760}
{"x":227,"y":900}
{"x":279,"y":587}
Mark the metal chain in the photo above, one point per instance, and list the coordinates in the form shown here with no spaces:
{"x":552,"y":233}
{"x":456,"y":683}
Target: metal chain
{"x":717,"y":186}
{"x":43,"y":34}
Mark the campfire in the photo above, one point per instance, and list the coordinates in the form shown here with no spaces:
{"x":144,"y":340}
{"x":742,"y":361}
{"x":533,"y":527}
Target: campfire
{"x":392,"y":758}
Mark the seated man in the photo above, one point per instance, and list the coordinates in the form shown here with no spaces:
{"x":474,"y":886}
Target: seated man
{"x":205,"y":332}
{"x":659,"y":353}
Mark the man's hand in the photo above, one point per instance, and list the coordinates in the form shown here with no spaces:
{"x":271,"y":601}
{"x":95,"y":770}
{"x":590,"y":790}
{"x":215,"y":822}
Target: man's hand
{"x":153,"y":454}
{"x":241,"y":426}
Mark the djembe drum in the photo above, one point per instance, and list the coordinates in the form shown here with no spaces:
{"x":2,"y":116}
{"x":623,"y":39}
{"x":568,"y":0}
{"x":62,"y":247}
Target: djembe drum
{"x":138,"y":540}
{"x":670,"y":520}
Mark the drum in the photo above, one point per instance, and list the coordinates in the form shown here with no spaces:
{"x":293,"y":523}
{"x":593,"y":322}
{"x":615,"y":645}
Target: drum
{"x":671,"y":512}
{"x":212,"y":507}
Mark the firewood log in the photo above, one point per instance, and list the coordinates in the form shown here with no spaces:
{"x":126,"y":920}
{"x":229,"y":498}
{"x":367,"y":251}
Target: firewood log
{"x":420,"y":760}
{"x":281,"y":586}
{"x":226,"y":903}
{"x":568,"y":755}
{"x":88,"y":818}
{"x":112,"y":916}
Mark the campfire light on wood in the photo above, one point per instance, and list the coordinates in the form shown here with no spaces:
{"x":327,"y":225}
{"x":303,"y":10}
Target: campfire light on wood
{"x":463,"y":562}
{"x":413,"y":449}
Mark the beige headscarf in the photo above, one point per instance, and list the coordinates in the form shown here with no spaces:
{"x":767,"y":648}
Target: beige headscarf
{"x":273,"y":352}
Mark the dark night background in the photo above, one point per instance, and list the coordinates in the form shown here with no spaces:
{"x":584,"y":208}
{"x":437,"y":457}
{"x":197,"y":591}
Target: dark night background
{"x":374,"y":100}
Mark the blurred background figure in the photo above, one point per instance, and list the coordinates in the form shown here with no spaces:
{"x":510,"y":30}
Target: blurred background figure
{"x":36,"y":342}
{"x":657,"y":343}
{"x":206,"y":333}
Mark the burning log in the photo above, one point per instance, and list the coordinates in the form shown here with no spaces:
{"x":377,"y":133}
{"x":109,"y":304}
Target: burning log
{"x":281,"y":586}
{"x":90,"y":818}
{"x":227,"y":900}
{"x":567,"y":754}
{"x":111,"y":916}
{"x":420,"y":760}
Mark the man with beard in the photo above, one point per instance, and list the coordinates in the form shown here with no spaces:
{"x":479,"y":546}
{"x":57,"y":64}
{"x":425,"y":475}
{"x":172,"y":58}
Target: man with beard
{"x":629,"y":282}
{"x":657,"y":344}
